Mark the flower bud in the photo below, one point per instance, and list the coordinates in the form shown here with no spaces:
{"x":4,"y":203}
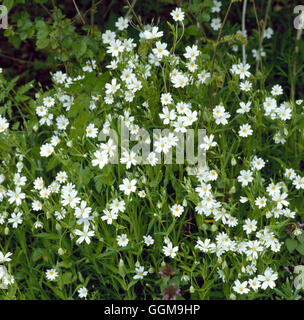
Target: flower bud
{"x":232,"y":190}
{"x":191,"y":289}
{"x":232,"y":296}
{"x":297,"y":232}
{"x":214,"y":228}
{"x":61,"y":251}
{"x":121,"y":264}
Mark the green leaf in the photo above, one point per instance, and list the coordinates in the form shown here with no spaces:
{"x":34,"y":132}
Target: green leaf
{"x":98,"y":183}
{"x":192,"y":30}
{"x":9,"y":4}
{"x":47,"y":236}
{"x":67,"y":278}
{"x":205,"y":16}
{"x":300,"y":248}
{"x":143,"y":48}
{"x":291,"y":244}
{"x":81,"y":102}
{"x":301,"y":238}
{"x":80,"y":49}
{"x":42,"y":43}
{"x":52,"y":164}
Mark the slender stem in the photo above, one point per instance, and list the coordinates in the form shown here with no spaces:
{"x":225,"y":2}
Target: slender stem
{"x":215,"y":50}
{"x":259,"y":56}
{"x":299,"y":34}
{"x":129,"y":11}
{"x":262,"y":34}
{"x":76,"y":7}
{"x":59,"y":37}
{"x":244,"y":29}
{"x":135,"y":15}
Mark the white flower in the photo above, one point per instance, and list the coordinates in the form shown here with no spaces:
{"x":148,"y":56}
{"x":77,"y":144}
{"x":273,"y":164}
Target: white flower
{"x":216,"y":6}
{"x":5,"y":257}
{"x":169,"y":250}
{"x":280,"y":199}
{"x":152,"y":159}
{"x":128,"y":159}
{"x":166,"y":98}
{"x":191,"y":52}
{"x":240,"y":288}
{"x":82,"y":292}
{"x":109,"y":216}
{"x":148,"y":240}
{"x":268,"y":279}
{"x":153,"y":33}
{"x":46,"y":150}
{"x":160,"y":50}
{"x":245,"y":107}
{"x":36,"y":205}
{"x":242,"y":70}
{"x":101,"y":158}
{"x":257,"y":163}
{"x":208,"y":142}
{"x":51,"y":274}
{"x":128,"y":186}
{"x":115,"y":47}
{"x":122,"y":240}
{"x":216,"y":24}
{"x":122,"y":23}
{"x":84,"y":235}
{"x":49,"y":102}
{"x":117,"y":206}
{"x":276,"y":90}
{"x":245,"y":85}
{"x":15,"y":196}
{"x":260,"y":202}
{"x":205,"y":245}
{"x":3,"y":124}
{"x":245,"y":177}
{"x":250,"y":225}
{"x":140,"y":273}
{"x":245,"y":130}
{"x":177,"y":14}
{"x":62,"y":122}
{"x":177,"y":210}
{"x":203,"y":76}
{"x":91,"y":131}
{"x":254,"y":283}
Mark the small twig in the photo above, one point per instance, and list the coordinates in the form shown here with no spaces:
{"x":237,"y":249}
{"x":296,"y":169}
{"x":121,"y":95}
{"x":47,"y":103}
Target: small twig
{"x":129,"y":11}
{"x":45,"y":8}
{"x":75,"y":5}
{"x":135,"y":15}
{"x":94,"y":5}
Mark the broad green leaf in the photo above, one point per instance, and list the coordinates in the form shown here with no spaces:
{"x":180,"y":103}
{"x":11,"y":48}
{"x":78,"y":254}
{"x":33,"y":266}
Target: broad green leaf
{"x":291,"y":244}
